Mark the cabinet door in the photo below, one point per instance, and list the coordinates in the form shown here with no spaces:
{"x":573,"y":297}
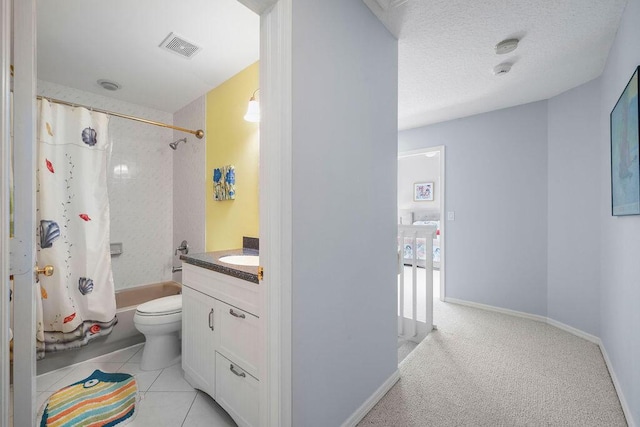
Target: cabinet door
{"x":237,"y":392}
{"x":198,"y":340}
{"x":238,"y":335}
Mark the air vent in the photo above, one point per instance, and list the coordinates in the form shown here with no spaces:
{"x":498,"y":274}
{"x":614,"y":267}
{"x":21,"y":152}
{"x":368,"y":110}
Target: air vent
{"x":176,"y":44}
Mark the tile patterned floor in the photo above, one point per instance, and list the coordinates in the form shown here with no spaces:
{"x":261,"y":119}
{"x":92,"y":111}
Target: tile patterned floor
{"x":167,"y":399}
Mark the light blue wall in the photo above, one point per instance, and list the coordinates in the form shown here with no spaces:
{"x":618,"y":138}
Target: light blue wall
{"x":620,"y":267}
{"x":496,"y":182}
{"x":344,"y":267}
{"x":573,"y":285}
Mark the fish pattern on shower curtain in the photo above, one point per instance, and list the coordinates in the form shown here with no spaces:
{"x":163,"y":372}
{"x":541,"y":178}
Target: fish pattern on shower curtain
{"x":76,"y":303}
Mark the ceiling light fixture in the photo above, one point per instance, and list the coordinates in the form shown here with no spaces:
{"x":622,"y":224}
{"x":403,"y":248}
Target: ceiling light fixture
{"x":108,"y":85}
{"x":506,"y":46}
{"x":253,"y":109}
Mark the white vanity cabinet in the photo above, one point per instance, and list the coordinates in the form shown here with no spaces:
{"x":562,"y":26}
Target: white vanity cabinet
{"x":238,"y":336}
{"x":220,"y":340}
{"x":198,"y":340}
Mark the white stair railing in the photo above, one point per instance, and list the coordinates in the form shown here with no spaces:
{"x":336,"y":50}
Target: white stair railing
{"x":415,"y":323}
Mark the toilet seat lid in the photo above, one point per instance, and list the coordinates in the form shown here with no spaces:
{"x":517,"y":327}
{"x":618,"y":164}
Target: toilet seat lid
{"x":164,"y":305}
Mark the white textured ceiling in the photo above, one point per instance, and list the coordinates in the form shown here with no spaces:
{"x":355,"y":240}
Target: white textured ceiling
{"x":81,"y":41}
{"x":446,"y":53}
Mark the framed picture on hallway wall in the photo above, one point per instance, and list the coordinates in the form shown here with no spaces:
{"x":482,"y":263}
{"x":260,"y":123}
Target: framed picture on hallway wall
{"x":423,"y":191}
{"x":625,"y":158}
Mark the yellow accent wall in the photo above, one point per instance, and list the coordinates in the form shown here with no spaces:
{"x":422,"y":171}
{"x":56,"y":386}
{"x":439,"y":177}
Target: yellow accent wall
{"x":232,"y":141}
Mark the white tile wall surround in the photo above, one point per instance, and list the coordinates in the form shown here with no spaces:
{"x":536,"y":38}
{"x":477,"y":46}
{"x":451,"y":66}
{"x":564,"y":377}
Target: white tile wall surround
{"x":140,"y":187}
{"x":189,"y":177}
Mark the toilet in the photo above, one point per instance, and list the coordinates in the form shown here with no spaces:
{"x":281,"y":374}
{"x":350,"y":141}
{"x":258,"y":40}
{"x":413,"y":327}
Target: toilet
{"x":160,"y":320}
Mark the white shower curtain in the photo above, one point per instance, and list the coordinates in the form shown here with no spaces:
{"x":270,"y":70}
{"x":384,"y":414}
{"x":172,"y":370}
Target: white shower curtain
{"x":77,"y":303}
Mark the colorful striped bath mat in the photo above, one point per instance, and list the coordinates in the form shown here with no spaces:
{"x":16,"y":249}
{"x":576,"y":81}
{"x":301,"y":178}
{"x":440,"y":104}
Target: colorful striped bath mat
{"x":100,"y":400}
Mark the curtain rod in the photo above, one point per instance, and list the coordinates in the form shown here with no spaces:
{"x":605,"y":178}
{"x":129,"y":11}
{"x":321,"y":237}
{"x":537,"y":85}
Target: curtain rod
{"x":198,"y":133}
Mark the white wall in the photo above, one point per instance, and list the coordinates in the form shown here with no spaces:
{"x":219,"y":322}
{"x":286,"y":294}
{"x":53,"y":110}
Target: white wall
{"x":189,"y":181}
{"x":620,"y":267}
{"x":344,"y":136}
{"x":141,"y":202}
{"x":415,"y":169}
{"x":496,"y":176}
{"x":573,"y":279}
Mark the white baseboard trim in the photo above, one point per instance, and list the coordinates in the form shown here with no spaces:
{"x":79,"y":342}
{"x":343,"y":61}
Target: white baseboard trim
{"x":497,"y":309}
{"x":616,"y":385}
{"x":574,"y":331}
{"x":363,"y":410}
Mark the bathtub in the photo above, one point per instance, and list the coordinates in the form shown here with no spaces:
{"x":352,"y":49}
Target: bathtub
{"x":124,"y":334}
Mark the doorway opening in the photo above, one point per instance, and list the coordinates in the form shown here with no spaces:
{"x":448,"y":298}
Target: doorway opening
{"x":421,"y":237}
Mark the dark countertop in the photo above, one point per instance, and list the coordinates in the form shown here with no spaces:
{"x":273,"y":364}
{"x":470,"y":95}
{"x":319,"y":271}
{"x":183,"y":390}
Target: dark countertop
{"x":211,"y":261}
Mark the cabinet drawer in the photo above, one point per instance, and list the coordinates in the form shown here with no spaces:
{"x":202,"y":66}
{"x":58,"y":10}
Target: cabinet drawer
{"x":238,"y":336}
{"x":237,"y":392}
{"x":236,"y":292}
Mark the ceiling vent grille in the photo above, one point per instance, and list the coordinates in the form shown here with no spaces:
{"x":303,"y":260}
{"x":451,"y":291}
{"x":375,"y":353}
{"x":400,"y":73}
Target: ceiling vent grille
{"x":176,"y":44}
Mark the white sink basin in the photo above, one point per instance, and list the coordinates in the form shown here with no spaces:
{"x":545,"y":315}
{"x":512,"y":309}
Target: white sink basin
{"x":246,"y":260}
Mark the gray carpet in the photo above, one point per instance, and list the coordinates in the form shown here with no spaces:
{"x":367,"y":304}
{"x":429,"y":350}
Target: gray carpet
{"x":404,"y":349}
{"x":482,"y":368}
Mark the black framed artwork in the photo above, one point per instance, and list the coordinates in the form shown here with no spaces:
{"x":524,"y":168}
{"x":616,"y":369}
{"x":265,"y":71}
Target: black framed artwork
{"x":625,"y":161}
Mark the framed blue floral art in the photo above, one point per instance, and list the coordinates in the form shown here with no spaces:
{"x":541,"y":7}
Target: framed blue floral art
{"x":224,"y":183}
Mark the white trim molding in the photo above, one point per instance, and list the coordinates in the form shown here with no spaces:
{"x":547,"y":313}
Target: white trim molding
{"x":497,"y":309}
{"x":275,"y":213}
{"x":616,"y":384}
{"x":258,"y":6}
{"x":23,"y":256}
{"x":5,"y":141}
{"x":574,"y":331}
{"x":570,"y":329}
{"x":364,"y":409}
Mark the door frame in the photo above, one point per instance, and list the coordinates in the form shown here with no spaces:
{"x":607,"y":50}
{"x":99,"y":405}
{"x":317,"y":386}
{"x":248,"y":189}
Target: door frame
{"x":5,"y":141}
{"x":275,"y":207}
{"x":443,"y":219}
{"x":22,"y":245}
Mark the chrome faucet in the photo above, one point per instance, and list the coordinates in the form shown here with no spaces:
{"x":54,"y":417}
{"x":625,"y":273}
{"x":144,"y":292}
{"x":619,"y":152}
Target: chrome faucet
{"x":176,"y":269}
{"x":183,"y":248}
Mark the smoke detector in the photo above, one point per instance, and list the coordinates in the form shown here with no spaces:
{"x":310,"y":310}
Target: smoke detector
{"x":506,"y":46}
{"x":178,"y":45}
{"x":502,"y":69}
{"x":108,"y":85}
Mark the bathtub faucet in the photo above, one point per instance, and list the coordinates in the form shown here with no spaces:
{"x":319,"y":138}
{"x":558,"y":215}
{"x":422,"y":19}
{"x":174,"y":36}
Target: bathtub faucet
{"x":183,"y":248}
{"x":176,"y":269}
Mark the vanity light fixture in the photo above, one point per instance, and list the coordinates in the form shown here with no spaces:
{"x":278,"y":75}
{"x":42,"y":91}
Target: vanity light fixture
{"x":253,"y":109}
